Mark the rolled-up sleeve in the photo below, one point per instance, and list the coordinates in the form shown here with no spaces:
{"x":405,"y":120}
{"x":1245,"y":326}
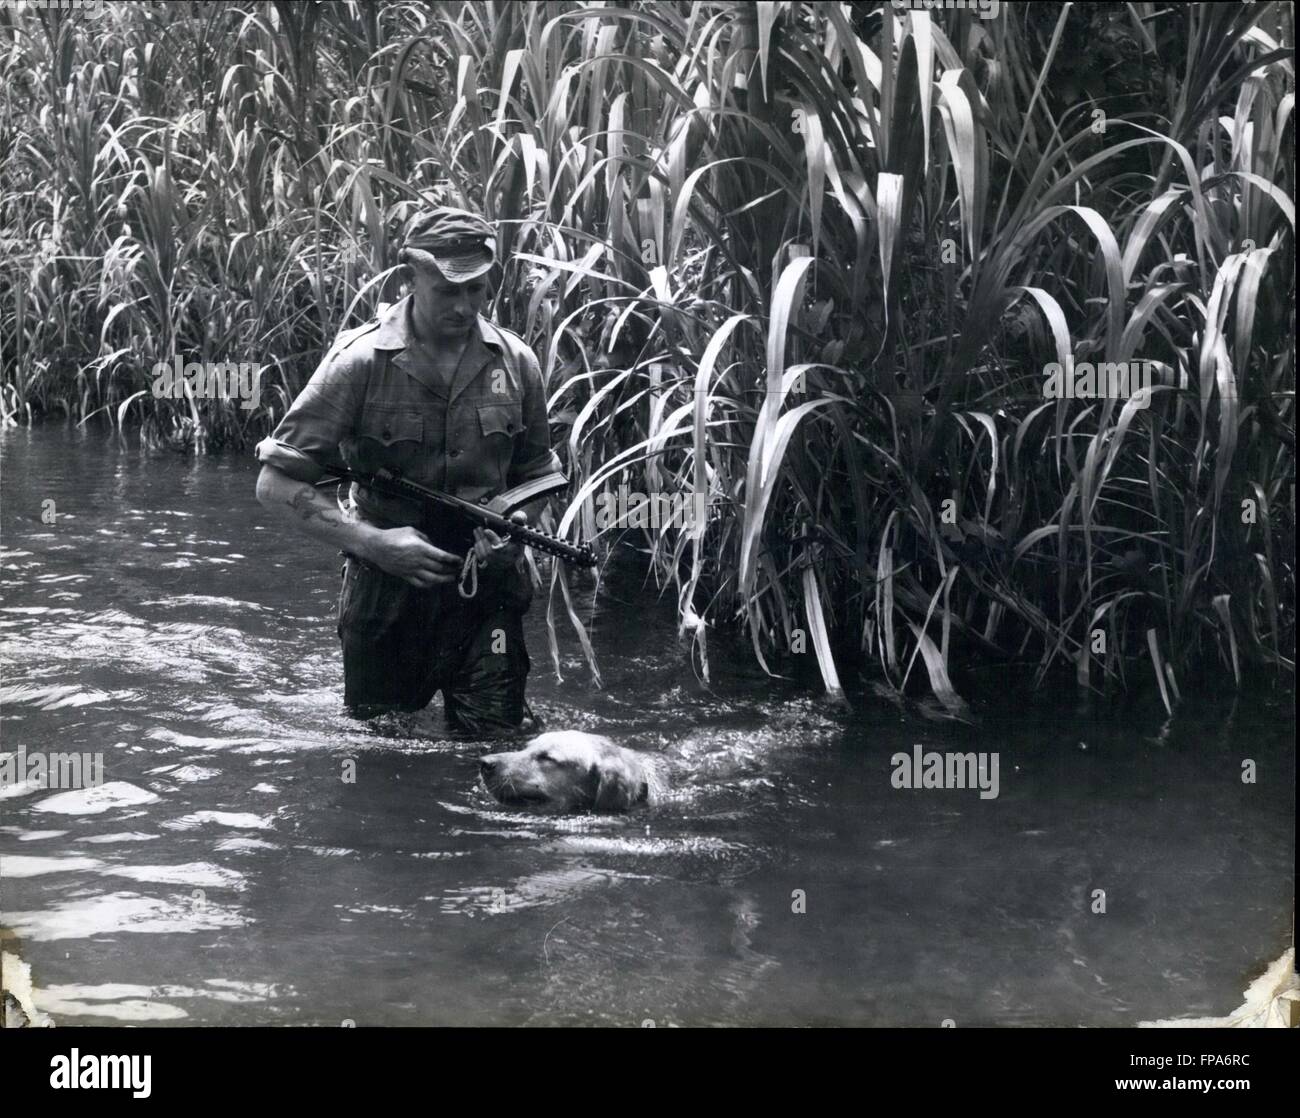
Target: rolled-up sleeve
{"x":533,"y":454}
{"x":323,"y":415}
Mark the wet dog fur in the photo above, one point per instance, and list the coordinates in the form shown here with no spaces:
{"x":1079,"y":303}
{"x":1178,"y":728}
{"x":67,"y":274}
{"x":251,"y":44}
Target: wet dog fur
{"x":569,"y":770}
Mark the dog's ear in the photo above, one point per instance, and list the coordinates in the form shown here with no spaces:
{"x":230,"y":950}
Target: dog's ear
{"x":614,"y":791}
{"x":591,"y":784}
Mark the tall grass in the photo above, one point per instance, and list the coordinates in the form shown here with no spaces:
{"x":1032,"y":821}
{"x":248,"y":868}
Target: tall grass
{"x":808,"y":259}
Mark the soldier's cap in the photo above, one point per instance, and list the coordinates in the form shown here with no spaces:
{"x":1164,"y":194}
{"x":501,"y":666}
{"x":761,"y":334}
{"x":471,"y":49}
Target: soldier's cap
{"x":460,"y":244}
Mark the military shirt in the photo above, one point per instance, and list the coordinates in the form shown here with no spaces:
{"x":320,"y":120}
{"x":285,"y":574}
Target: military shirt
{"x":373,"y":403}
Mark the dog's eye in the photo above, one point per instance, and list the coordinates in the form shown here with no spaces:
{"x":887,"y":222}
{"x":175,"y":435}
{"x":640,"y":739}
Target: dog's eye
{"x":545,"y":757}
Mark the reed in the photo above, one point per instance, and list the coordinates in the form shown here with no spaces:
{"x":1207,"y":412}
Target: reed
{"x":809,"y":260}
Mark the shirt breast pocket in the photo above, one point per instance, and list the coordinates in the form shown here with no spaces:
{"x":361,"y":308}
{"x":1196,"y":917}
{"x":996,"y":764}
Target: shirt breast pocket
{"x":506,"y":418}
{"x":386,"y":440}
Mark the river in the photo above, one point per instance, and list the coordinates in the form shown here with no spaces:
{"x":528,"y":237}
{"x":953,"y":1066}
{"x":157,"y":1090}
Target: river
{"x":227,"y":873}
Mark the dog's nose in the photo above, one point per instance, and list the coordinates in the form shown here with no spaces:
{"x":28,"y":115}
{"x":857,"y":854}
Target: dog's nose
{"x":487,"y":766}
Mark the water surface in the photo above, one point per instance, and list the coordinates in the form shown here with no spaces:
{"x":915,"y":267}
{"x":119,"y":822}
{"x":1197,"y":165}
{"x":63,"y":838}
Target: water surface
{"x":226,"y":873}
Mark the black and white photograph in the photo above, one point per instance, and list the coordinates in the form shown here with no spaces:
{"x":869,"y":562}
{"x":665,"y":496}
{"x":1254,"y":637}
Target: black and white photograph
{"x":687,"y":514}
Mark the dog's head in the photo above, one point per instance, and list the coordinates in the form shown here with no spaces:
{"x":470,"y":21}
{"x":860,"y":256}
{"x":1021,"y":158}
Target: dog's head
{"x":568,"y":770}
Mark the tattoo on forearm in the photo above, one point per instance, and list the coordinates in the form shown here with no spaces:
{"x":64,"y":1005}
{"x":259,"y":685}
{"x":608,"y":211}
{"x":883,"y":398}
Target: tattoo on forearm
{"x":306,"y":504}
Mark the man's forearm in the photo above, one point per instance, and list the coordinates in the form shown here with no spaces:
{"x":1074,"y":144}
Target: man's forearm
{"x":312,"y":511}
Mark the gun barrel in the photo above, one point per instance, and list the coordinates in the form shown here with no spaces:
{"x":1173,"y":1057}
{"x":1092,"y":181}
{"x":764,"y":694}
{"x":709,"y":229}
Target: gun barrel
{"x":386,"y":482}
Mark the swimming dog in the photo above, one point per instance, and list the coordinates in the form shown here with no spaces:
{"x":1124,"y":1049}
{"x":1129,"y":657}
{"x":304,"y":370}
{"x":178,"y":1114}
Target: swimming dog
{"x":568,"y":770}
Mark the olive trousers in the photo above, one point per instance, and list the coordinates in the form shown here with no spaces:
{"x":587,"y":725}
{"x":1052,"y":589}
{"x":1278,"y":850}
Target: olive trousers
{"x":402,"y":644}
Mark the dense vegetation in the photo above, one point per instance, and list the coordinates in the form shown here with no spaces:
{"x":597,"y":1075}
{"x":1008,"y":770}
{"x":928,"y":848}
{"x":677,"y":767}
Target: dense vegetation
{"x":809,"y":259}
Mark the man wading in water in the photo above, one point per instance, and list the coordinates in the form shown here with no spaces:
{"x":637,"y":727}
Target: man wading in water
{"x":433,"y":390}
